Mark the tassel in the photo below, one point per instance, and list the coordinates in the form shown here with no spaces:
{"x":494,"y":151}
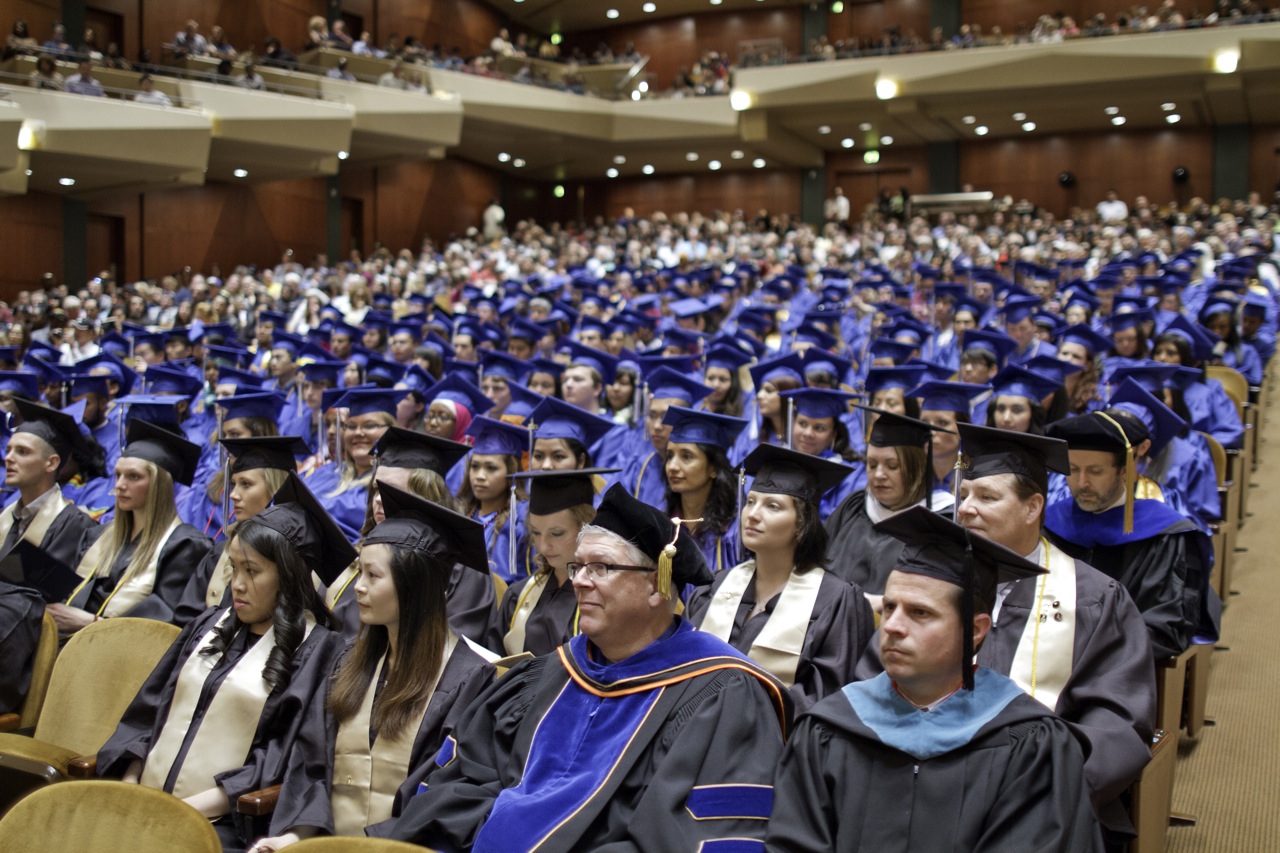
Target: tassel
{"x":1130,"y":473}
{"x":966,"y":617}
{"x":666,"y":559}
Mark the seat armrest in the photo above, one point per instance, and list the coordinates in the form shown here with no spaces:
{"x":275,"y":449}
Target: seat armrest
{"x":84,"y":767}
{"x":259,"y":803}
{"x":9,"y":722}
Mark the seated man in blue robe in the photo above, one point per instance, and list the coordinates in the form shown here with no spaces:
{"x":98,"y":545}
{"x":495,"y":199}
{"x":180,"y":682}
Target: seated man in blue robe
{"x":934,"y":753}
{"x":640,"y":733}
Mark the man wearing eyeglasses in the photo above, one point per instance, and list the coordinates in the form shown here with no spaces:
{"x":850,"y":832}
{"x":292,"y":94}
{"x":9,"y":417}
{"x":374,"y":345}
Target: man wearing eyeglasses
{"x":639,"y":733}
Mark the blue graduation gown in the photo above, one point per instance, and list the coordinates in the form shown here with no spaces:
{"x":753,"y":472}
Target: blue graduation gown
{"x":644,"y":477}
{"x":497,"y":542}
{"x":1213,"y":412}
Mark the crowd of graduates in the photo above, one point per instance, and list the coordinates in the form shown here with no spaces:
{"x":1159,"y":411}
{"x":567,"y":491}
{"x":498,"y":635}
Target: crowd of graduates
{"x":414,"y":446}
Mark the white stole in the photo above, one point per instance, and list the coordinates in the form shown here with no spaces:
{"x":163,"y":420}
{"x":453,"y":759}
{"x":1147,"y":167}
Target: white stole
{"x":780,"y":642}
{"x":365,"y":779}
{"x":219,"y":581}
{"x":1042,"y":663}
{"x":133,"y":586}
{"x":40,"y":524}
{"x":225,"y":733}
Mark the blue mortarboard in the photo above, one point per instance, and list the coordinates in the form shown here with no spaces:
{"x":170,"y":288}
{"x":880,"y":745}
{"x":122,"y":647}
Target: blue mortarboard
{"x":1051,"y":367}
{"x":1019,"y":308}
{"x":689,"y":426}
{"x":498,"y":437}
{"x":160,"y":380}
{"x":726,"y":357}
{"x":991,"y":277}
{"x":682,"y":339}
{"x":344,"y":328}
{"x":995,"y":342}
{"x":1256,"y":305}
{"x":790,"y":366}
{"x":557,"y":419}
{"x":1131,"y":319}
{"x":150,"y":408}
{"x":47,"y":371}
{"x":543,"y":365}
{"x":383,"y":371}
{"x":776,"y":287}
{"x":239,"y":378}
{"x":665,"y":383}
{"x":274,"y":317}
{"x":595,"y":324}
{"x":442,"y":346}
{"x":1085,"y":300}
{"x":523,"y":401}
{"x":88,"y":383}
{"x":192,"y":334}
{"x":410,"y":326}
{"x":46,"y":351}
{"x":20,"y":382}
{"x":948,"y":396}
{"x":321,"y":334}
{"x":1161,"y":422}
{"x":807,"y":333}
{"x":1124,"y":303}
{"x":227,"y":355}
{"x":460,"y":391}
{"x":935,"y":372}
{"x":322,"y":371}
{"x":281,"y":339}
{"x":1198,"y":337}
{"x":881,"y":378}
{"x":649,"y":363}
{"x":1086,"y":337}
{"x":468,"y":370}
{"x":949,"y":290}
{"x":376,"y":320}
{"x":364,"y":400}
{"x":500,"y":364}
{"x":417,"y":380}
{"x":889,"y":348}
{"x":1216,"y":306}
{"x":263,"y":404}
{"x":754,"y":321}
{"x":112,"y":342}
{"x":820,"y":402}
{"x":690,"y":307}
{"x":525,"y":329}
{"x":904,"y":328}
{"x":108,"y":364}
{"x":1015,"y":381}
{"x":1151,"y":375}
{"x":816,"y":361}
{"x":603,"y":363}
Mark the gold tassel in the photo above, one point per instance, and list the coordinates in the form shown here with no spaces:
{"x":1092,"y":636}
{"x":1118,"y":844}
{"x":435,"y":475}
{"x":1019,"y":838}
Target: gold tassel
{"x":668,"y":556}
{"x":1130,"y":474}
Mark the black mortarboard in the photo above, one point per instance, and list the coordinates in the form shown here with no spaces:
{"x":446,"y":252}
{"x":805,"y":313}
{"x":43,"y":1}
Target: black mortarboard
{"x":894,"y":430}
{"x":420,"y":525}
{"x":552,"y":491}
{"x":679,"y":558}
{"x":58,"y":429}
{"x":276,"y":451}
{"x":403,"y":448}
{"x":297,"y":515}
{"x":780,"y":471}
{"x":1102,"y":432}
{"x":1000,"y":451}
{"x":939,"y":548}
{"x":169,"y":450}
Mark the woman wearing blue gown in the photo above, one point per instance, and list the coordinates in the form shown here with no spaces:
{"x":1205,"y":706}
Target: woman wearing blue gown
{"x":817,"y":430}
{"x":345,"y":492}
{"x":1220,"y":318}
{"x":1204,"y":402}
{"x":485,"y":493}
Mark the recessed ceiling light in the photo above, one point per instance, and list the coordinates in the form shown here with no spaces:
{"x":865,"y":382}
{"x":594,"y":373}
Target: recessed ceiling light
{"x":504,"y":157}
{"x":847,"y":142}
{"x":619,"y":160}
{"x":650,"y":7}
{"x":1112,"y":111}
{"x":643,"y":85}
{"x":886,"y":140}
{"x":714,"y":165}
{"x":1168,"y":106}
{"x":716,"y":2}
{"x":239,"y":173}
{"x":824,"y":129}
{"x":886,"y":88}
{"x":982,"y":130}
{"x":736,"y":154}
{"x":612,"y":172}
{"x":635,"y":95}
{"x":611,"y":14}
{"x":692,"y":156}
{"x":865,"y":126}
{"x":1019,"y":116}
{"x":30,"y":173}
{"x":871,"y":157}
{"x":518,"y":163}
{"x":71,"y":182}
{"x":648,"y":169}
{"x":1226,"y":61}
{"x":758,"y":162}
{"x":968,"y":119}
{"x":1028,"y":126}
{"x":1117,"y":120}
{"x":342,"y":155}
{"x":1173,"y":118}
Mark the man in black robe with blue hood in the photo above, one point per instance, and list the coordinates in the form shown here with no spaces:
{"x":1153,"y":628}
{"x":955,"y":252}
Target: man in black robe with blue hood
{"x":934,"y":753}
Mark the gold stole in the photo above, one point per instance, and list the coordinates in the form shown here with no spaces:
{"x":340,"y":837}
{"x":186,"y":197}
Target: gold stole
{"x":225,"y":733}
{"x":133,"y":586}
{"x":218,"y":582}
{"x":40,"y":524}
{"x":365,"y":780}
{"x":1148,"y":490}
{"x":1042,"y":663}
{"x":513,"y":640}
{"x":340,"y":584}
{"x":779,"y":644}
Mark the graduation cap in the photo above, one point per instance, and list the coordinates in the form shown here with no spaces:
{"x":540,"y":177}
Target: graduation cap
{"x":339,"y":327}
{"x":322,"y":371}
{"x":1131,"y":319}
{"x":261,"y":404}
{"x":557,"y":419}
{"x":403,"y":448}
{"x":1101,"y":432}
{"x":278,"y":452}
{"x":192,"y":334}
{"x":239,"y":378}
{"x":87,"y":383}
{"x":417,"y":380}
{"x":108,"y":364}
{"x":897,"y":351}
{"x":682,"y":339}
{"x":409,"y":326}
{"x":1151,"y":375}
{"x":383,"y":371}
{"x":1162,"y":423}
{"x":807,"y":333}
{"x":883,"y":378}
{"x":21,"y":382}
{"x":991,"y":451}
{"x":789,"y":366}
{"x":167,"y":450}
{"x":553,"y":491}
{"x":819,"y":402}
{"x":274,"y":317}
{"x":818,"y":361}
{"x":366,"y":400}
{"x":417,"y":524}
{"x":112,"y":342}
{"x":939,"y":548}
{"x":1255,"y":305}
{"x":500,"y":364}
{"x":690,"y":426}
{"x":227,"y":356}
{"x":1016,"y":381}
{"x":598,"y":360}
{"x":906,"y":330}
{"x":161,"y":380}
{"x":1082,"y":299}
{"x":1019,"y":308}
{"x":680,"y":561}
{"x":755,"y":320}
{"x":56,"y":428}
{"x":492,"y":436}
{"x":1086,"y":337}
{"x":150,"y":408}
{"x":894,"y":430}
{"x":1197,"y":337}
{"x":948,"y":396}
{"x":459,"y":391}
{"x":468,"y":370}
{"x":781,"y":471}
{"x":299,"y":517}
{"x":31,"y":566}
{"x":1052,"y":368}
{"x":45,"y":351}
{"x":682,"y":364}
{"x":665,"y":383}
{"x":548,"y":366}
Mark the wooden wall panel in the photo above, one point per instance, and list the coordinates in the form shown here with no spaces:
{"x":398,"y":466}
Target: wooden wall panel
{"x":1133,"y":163}
{"x":899,"y":166}
{"x":868,"y":20}
{"x":776,"y":191}
{"x":129,"y":209}
{"x":466,"y":24}
{"x":32,"y":227}
{"x":1264,"y":162}
{"x":247,"y":22}
{"x":675,"y":43}
{"x":128,"y":14}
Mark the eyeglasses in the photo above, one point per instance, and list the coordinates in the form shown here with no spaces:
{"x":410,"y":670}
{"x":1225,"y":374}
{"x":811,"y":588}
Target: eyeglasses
{"x":439,"y":416}
{"x":367,"y":429}
{"x":599,"y":571}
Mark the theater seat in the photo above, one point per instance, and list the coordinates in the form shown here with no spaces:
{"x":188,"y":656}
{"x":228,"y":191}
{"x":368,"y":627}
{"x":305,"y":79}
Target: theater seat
{"x":41,"y":672}
{"x":105,"y":817}
{"x":94,"y":680}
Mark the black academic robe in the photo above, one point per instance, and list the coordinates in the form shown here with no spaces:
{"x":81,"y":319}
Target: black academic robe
{"x":1016,"y":783}
{"x":550,"y":625}
{"x":178,"y":559}
{"x":69,"y":536}
{"x":856,"y":551}
{"x":21,"y":612}
{"x":839,"y":627}
{"x":469,"y":600}
{"x":305,"y":791}
{"x":1110,"y":696}
{"x":719,"y":721}
{"x":276,"y":729}
{"x":192,"y":602}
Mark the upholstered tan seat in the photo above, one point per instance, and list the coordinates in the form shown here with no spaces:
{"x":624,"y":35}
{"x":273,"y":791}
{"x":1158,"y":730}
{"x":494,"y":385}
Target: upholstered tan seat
{"x":41,"y":671}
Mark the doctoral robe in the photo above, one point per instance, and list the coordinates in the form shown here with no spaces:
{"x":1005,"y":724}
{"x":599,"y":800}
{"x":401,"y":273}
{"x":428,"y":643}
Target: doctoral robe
{"x":667,"y":749}
{"x":991,"y":770}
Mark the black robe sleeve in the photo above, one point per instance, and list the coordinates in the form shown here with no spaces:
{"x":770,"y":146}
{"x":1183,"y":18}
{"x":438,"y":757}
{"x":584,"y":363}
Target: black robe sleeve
{"x":21,"y":612}
{"x":192,"y":603}
{"x":63,"y":540}
{"x":856,"y":551}
{"x":471,"y":604}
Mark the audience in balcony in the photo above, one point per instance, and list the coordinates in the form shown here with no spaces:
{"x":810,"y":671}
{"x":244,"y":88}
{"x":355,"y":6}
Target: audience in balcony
{"x":20,"y":41}
{"x":189,"y":41}
{"x":149,"y":94}
{"x":340,"y":72}
{"x":57,"y":43}
{"x":46,"y":75}
{"x":276,"y":55}
{"x":250,"y":79}
{"x":84,"y":83}
{"x":219,"y":46}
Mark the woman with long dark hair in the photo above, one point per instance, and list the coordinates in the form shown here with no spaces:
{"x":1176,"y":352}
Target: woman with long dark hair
{"x":485,"y":494}
{"x":771,"y":378}
{"x":757,"y":605}
{"x":818,"y":429}
{"x":1202,"y":401}
{"x":702,"y":483}
{"x":1219,"y":317}
{"x":1017,"y":400}
{"x":399,"y":691}
{"x":1082,"y":346}
{"x":222,"y":710}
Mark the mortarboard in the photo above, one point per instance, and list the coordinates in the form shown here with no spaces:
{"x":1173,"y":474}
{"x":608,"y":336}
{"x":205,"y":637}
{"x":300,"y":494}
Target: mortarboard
{"x":819,"y":402}
{"x":445,"y":537}
{"x":898,"y":351}
{"x":298,"y":516}
{"x":1019,"y":308}
{"x":1101,"y":432}
{"x":665,"y":383}
{"x":789,"y":366}
{"x":1016,"y":381}
{"x":882,"y":378}
{"x":557,"y":419}
{"x":991,"y":451}
{"x":690,"y":426}
{"x":278,"y":452}
{"x":1051,"y":368}
{"x":553,"y":491}
{"x":502,"y":365}
{"x":162,"y":380}
{"x":948,"y":396}
{"x":1085,"y":337}
{"x":460,"y":391}
{"x":20,"y":382}
{"x":56,"y":428}
{"x":167,"y":450}
{"x":1162,"y":423}
{"x":108,"y":364}
{"x":599,"y":361}
{"x":492,"y":436}
{"x":262,"y":404}
{"x":403,"y":448}
{"x":680,"y":561}
{"x":781,"y":471}
{"x":239,"y":378}
{"x":367,"y":400}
